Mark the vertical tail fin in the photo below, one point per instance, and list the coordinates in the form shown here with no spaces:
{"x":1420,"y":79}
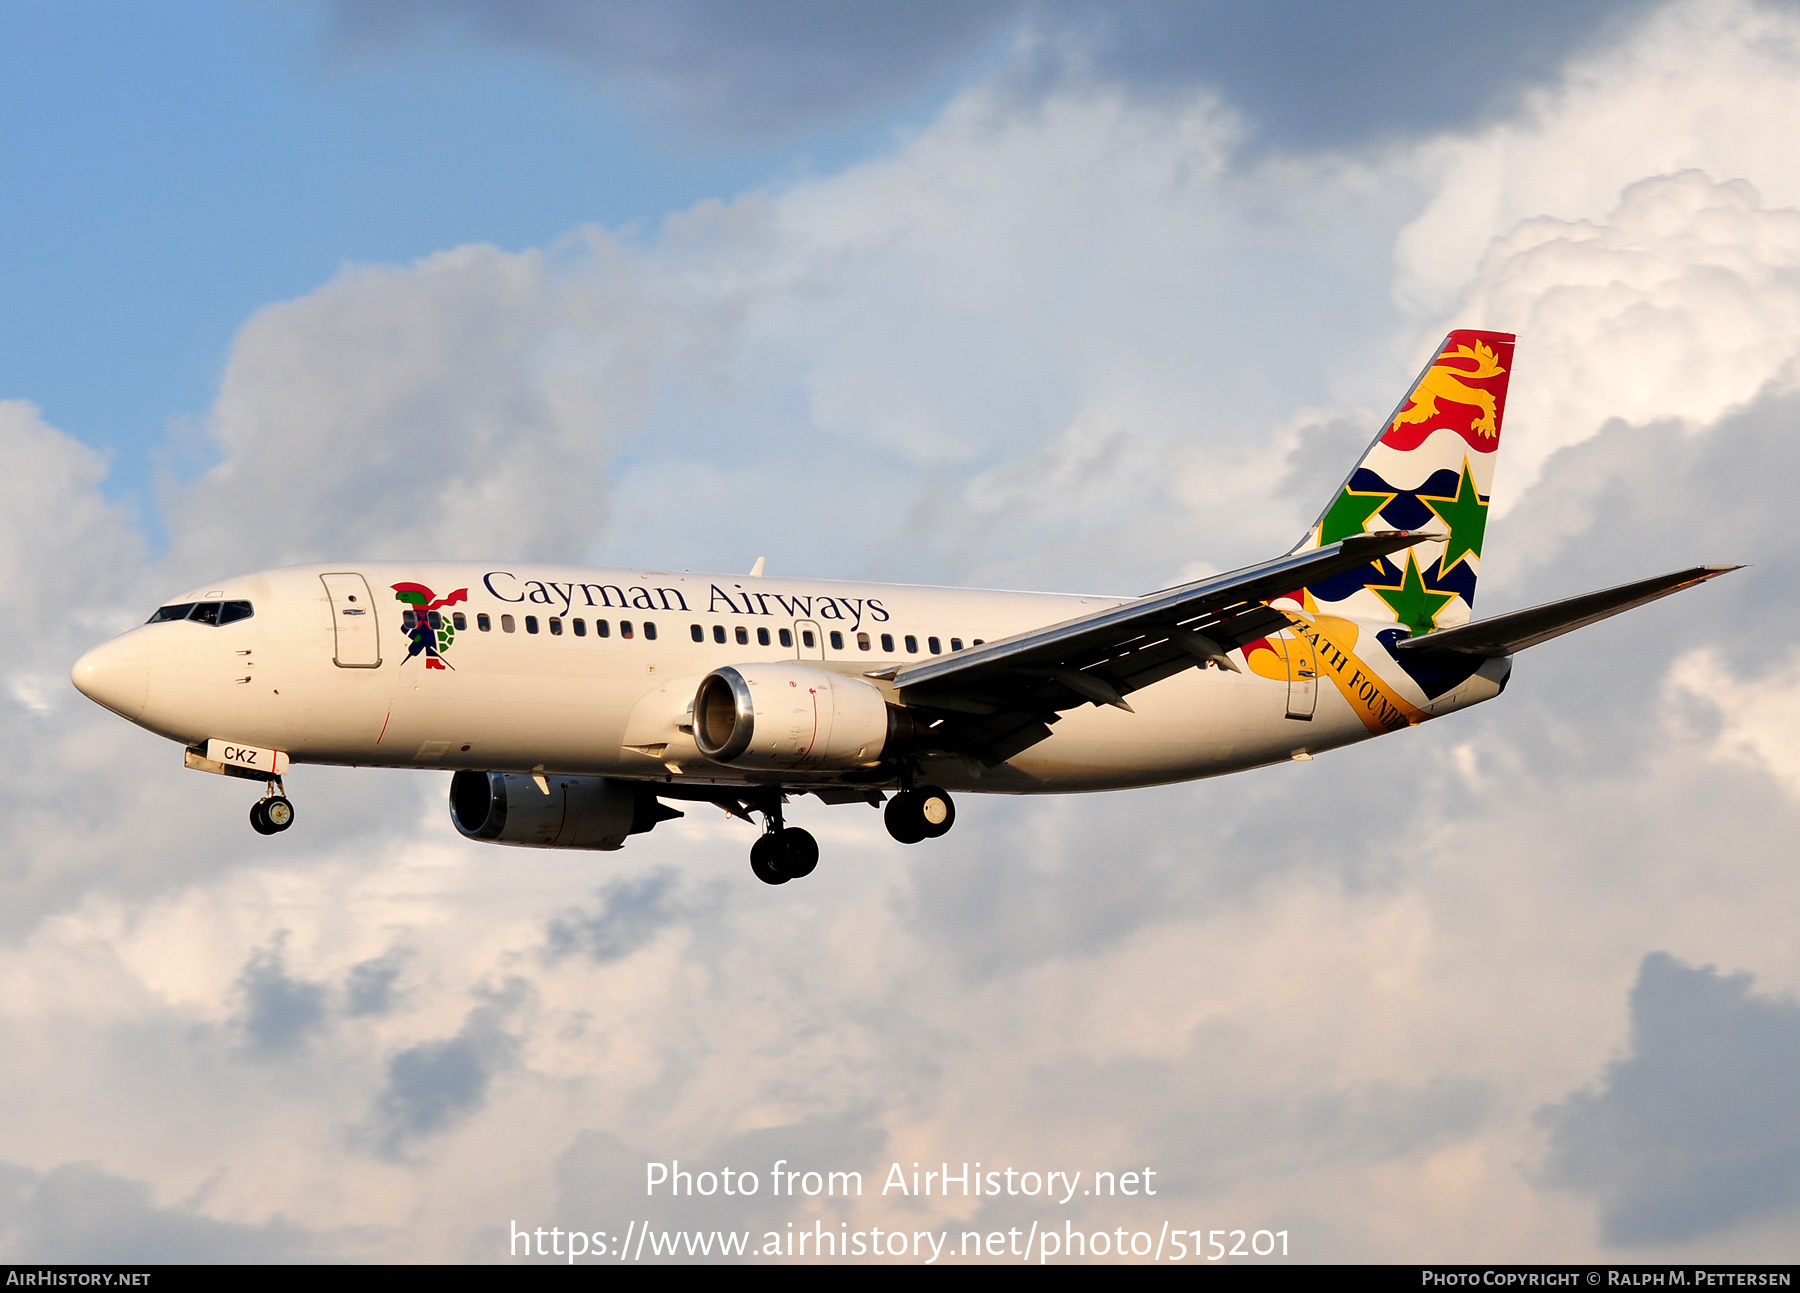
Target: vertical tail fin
{"x":1431,"y":468}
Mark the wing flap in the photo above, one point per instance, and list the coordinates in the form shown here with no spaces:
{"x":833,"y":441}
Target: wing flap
{"x":1516,"y":630}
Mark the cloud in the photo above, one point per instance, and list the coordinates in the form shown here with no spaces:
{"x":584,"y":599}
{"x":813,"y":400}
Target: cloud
{"x":370,"y":988}
{"x":1684,"y":303}
{"x":279,"y":1012}
{"x":1696,"y":1130}
{"x":80,"y":1214}
{"x":1083,"y":340}
{"x":630,"y":914}
{"x":433,"y":1084}
{"x":1309,"y":74}
{"x":465,"y":405}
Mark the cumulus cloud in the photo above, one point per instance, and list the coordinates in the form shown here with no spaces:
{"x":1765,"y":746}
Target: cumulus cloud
{"x":1683,"y":303}
{"x":1310,"y":74}
{"x":278,"y":1011}
{"x":453,"y":408}
{"x":80,"y":1214}
{"x":1696,"y":1130}
{"x":1757,"y":718}
{"x":1085,"y":341}
{"x":432,"y":1084}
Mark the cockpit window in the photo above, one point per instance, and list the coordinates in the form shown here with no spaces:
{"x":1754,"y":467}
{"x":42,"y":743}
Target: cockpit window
{"x":214,"y":613}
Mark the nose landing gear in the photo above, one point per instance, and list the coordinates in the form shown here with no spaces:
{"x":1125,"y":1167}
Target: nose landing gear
{"x":274,"y":812}
{"x":921,"y":814}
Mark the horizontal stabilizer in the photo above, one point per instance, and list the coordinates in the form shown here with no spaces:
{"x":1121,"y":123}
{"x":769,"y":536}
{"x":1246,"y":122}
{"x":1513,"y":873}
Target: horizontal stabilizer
{"x":1505,"y":634}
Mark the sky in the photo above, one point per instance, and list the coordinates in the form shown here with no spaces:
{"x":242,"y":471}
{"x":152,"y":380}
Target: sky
{"x":1042,"y":295}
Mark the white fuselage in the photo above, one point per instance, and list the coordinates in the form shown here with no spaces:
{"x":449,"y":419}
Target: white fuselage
{"x":553,"y":701}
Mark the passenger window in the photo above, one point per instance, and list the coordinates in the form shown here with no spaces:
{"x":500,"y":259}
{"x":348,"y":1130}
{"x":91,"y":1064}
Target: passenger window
{"x":580,"y":627}
{"x":887,"y":641}
{"x":837,"y":640}
{"x":232,"y":612}
{"x":743,"y":636}
{"x":205,"y":613}
{"x":460,"y":621}
{"x":806,"y":636}
{"x":483,"y":623}
{"x":932,"y":643}
{"x":624,"y":628}
{"x":977,"y":642}
{"x":912,"y":645}
{"x":602,"y":629}
{"x":649,"y":631}
{"x":436,"y":620}
{"x":165,"y":614}
{"x":506,"y":623}
{"x":409,"y":620}
{"x":956,"y":644}
{"x":531,"y":624}
{"x":555,"y":626}
{"x":719,"y":634}
{"x":787,"y":639}
{"x":762,"y":637}
{"x":862,"y":641}
{"x":699,"y":633}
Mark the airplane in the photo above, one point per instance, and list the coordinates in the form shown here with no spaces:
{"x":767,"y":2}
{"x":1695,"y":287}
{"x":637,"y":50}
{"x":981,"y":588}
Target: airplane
{"x":576,"y":706}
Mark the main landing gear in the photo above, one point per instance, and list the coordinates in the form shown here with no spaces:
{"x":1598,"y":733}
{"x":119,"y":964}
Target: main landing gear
{"x":273,"y":813}
{"x":921,"y":814}
{"x":784,"y":852}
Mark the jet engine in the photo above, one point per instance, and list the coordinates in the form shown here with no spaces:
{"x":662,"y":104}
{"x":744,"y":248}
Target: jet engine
{"x":577,"y":813}
{"x":778,"y":716}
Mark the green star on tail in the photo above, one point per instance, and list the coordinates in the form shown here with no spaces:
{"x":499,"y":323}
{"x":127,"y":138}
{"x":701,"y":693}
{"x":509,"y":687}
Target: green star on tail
{"x":1466,"y":515}
{"x":1349,"y":514}
{"x":1413,"y":604}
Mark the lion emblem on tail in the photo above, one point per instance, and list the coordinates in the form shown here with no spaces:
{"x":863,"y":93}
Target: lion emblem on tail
{"x":1442,"y":382}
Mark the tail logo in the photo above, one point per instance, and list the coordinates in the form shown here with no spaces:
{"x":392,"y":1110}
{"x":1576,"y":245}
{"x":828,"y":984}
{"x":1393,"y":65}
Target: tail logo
{"x":1447,"y":380}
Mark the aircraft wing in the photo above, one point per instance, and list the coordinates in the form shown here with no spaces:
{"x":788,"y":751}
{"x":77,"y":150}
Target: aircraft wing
{"x":1516,"y":630}
{"x":1001,"y":697}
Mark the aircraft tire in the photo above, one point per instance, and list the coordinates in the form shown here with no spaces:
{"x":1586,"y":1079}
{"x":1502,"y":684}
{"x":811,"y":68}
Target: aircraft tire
{"x":761,"y":865}
{"x":935,"y":810}
{"x":278,"y":812}
{"x":799,"y":852}
{"x":903,"y":819}
{"x":258,"y":822}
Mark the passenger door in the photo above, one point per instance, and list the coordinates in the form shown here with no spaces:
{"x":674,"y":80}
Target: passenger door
{"x":353,"y":620}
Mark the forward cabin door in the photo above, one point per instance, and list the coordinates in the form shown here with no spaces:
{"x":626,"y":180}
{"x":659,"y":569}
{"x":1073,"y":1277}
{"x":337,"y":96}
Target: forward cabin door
{"x":1303,"y":676}
{"x":353,"y":620}
{"x":809,"y":643}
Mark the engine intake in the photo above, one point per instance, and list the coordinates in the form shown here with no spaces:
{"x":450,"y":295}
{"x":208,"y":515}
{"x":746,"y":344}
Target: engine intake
{"x":777,"y":716}
{"x":578,"y":813}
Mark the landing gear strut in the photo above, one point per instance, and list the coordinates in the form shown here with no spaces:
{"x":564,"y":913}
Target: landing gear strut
{"x":920,"y":814}
{"x":784,"y":852}
{"x":273,"y":813}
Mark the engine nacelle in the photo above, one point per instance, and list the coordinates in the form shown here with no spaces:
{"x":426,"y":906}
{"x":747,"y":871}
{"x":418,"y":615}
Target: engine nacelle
{"x":778,"y":716}
{"x":578,"y":813}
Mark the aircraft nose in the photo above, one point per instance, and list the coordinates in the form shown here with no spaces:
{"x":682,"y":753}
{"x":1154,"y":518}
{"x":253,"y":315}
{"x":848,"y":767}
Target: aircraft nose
{"x":115,"y":674}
